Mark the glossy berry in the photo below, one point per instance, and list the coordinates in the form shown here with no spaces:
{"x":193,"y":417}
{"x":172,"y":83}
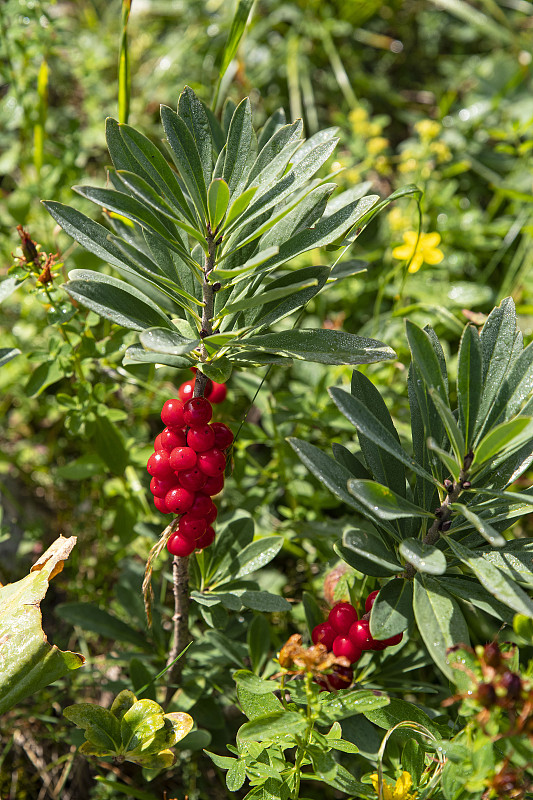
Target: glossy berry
{"x":223,"y":435}
{"x":359,"y":633}
{"x":343,"y":646}
{"x":159,"y":465}
{"x":340,"y":678}
{"x":186,"y":390}
{"x":218,"y":393}
{"x":512,"y":684}
{"x":378,"y":645}
{"x":160,"y":488}
{"x":172,"y":413}
{"x":178,"y":545}
{"x":159,"y":503}
{"x":201,"y":438}
{"x":170,"y":439}
{"x":202,"y":506}
{"x":157,"y":443}
{"x":197,"y":412}
{"x":213,"y":486}
{"x":212,"y":462}
{"x":341,"y":617}
{"x":207,"y":539}
{"x":369,"y":602}
{"x":323,"y":634}
{"x":212,"y":515}
{"x":182,"y":458}
{"x":193,"y":479}
{"x":392,"y":640}
{"x":179,"y":500}
{"x":192,"y":527}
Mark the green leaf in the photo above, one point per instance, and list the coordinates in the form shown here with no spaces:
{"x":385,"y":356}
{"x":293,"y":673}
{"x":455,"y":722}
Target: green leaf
{"x":400,"y":711}
{"x":275,"y":154}
{"x":257,"y":706}
{"x":238,"y":145}
{"x":109,"y":445}
{"x":323,"y":346}
{"x":258,"y":639}
{"x":469,"y":372}
{"x":252,"y":683}
{"x":141,"y":721}
{"x":368,"y":554}
{"x":262,"y":298}
{"x":238,"y":25}
{"x":136,"y":354}
{"x":347,"y":702}
{"x":29,"y":662}
{"x":236,"y":775}
{"x":516,"y":388}
{"x":375,"y":434}
{"x":8,"y":286}
{"x":493,"y":579}
{"x":482,"y":526}
{"x":162,"y":340}
{"x":193,"y":113}
{"x":278,"y":309}
{"x":217,"y":202}
{"x":313,"y":612}
{"x":452,"y":466}
{"x":272,"y":726}
{"x":439,"y":619}
{"x":425,"y":359}
{"x":392,"y":611}
{"x":115,"y":300}
{"x":257,"y":555}
{"x":506,"y":437}
{"x":91,"y":716}
{"x":45,"y":375}
{"x":7,"y":353}
{"x":186,"y":157}
{"x":94,"y":619}
{"x":450,"y":425}
{"x":264,"y":601}
{"x":239,"y":206}
{"x":470,"y":591}
{"x":515,"y":559}
{"x":385,"y":503}
{"x":424,"y":557}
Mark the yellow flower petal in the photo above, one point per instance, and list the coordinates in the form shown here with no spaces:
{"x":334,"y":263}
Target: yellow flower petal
{"x":403,"y":252}
{"x":403,"y":784}
{"x":410,"y":238}
{"x":416,"y":263}
{"x":433,"y":256}
{"x":429,"y":239}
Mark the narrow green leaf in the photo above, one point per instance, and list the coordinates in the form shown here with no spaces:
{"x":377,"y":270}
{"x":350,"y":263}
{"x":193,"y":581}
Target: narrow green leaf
{"x":493,"y":579}
{"x":8,"y":286}
{"x":439,"y":620}
{"x":424,"y":557}
{"x":274,"y":155}
{"x":452,"y":428}
{"x":482,"y":526}
{"x":448,"y":460}
{"x":267,"y":296}
{"x":258,"y":554}
{"x":219,"y":273}
{"x":369,"y":420}
{"x":278,"y":309}
{"x":239,"y":206}
{"x":506,"y":437}
{"x":97,"y":620}
{"x":136,"y":354}
{"x":186,"y":157}
{"x":217,"y":202}
{"x":367,"y":553}
{"x":162,"y":340}
{"x":238,"y":145}
{"x":425,"y":359}
{"x":193,"y":113}
{"x":385,"y":503}
{"x":7,"y":353}
{"x":469,"y":376}
{"x":469,"y":591}
{"x":272,"y":726}
{"x":392,"y":611}
{"x":115,"y":300}
{"x":238,"y":25}
{"x":515,"y":559}
{"x":258,"y":639}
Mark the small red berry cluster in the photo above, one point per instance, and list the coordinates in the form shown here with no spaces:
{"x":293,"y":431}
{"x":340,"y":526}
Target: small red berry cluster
{"x":346,"y":635}
{"x":215,"y":392}
{"x":187,"y":470}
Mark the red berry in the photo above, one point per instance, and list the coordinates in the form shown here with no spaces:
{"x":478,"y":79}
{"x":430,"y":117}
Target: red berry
{"x":192,"y":527}
{"x":186,"y":390}
{"x":341,"y":617}
{"x":359,"y":633}
{"x":192,"y":479}
{"x":197,"y":412}
{"x":323,"y":634}
{"x":218,"y":392}
{"x":392,"y":640}
{"x":157,"y":443}
{"x":179,"y":500}
{"x":207,"y":390}
{"x":172,"y":413}
{"x":212,"y":462}
{"x":340,"y":678}
{"x":160,"y":488}
{"x":202,"y":507}
{"x":180,"y":546}
{"x":214,"y":485}
{"x":171,"y":438}
{"x":201,"y":438}
{"x":182,"y":458}
{"x":342,"y":646}
{"x":207,"y":539}
{"x":378,"y":644}
{"x":223,"y":435}
{"x":159,"y":503}
{"x":212,"y":515}
{"x":369,"y":602}
{"x":159,"y":465}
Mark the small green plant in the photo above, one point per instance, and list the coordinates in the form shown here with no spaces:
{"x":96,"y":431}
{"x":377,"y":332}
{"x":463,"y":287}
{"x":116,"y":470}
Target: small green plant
{"x":434,"y":519}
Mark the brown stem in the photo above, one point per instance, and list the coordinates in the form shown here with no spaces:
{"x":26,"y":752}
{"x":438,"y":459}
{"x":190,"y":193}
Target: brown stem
{"x":180,"y":575}
{"x":444,"y":511}
{"x":180,"y":566}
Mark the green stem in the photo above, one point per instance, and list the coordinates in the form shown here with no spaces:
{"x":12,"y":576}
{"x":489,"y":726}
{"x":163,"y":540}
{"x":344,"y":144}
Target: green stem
{"x":302,"y":749}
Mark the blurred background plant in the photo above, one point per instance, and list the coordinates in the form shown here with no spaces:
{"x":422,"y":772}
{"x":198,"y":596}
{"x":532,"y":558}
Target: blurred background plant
{"x":431,"y":92}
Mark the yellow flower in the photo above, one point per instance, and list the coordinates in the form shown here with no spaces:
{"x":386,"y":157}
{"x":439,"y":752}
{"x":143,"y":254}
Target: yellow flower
{"x":376,"y":145}
{"x":427,"y":129}
{"x":425,"y":251}
{"x":400,"y":791}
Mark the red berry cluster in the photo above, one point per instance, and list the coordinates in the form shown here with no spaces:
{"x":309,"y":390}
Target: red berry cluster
{"x":346,"y":635}
{"x":187,"y":470}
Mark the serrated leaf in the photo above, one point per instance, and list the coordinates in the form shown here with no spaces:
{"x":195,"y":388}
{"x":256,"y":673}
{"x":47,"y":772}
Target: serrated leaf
{"x":392,"y":611}
{"x":424,"y":557}
{"x":439,"y":619}
{"x":385,"y":503}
